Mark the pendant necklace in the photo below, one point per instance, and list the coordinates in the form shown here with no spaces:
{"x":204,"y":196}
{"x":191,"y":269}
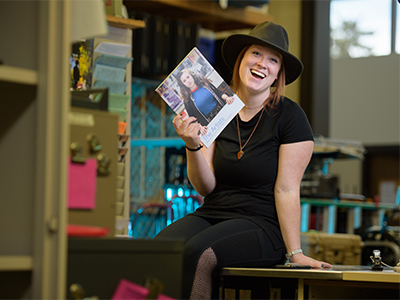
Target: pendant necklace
{"x":241,"y":152}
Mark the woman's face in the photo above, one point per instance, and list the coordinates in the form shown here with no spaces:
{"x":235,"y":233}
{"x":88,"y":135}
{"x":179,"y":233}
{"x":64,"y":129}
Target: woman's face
{"x":188,"y":80}
{"x":259,"y":68}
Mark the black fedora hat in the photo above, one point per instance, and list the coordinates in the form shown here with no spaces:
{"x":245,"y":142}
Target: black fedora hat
{"x":265,"y":34}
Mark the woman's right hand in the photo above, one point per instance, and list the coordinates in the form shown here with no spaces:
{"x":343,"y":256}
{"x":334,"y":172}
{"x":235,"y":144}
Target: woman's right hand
{"x":188,"y":130}
{"x":302,"y":259}
{"x":200,"y":168}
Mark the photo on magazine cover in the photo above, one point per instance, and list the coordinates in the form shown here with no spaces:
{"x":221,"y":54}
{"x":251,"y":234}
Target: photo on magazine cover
{"x":195,"y":89}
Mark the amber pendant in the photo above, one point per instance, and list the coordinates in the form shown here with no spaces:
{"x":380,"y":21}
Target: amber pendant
{"x":240,"y":154}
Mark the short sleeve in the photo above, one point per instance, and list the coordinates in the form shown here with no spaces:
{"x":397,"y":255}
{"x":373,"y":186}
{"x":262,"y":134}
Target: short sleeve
{"x":295,"y":126}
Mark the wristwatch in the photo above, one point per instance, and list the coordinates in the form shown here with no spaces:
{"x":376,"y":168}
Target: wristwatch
{"x":291,"y":253}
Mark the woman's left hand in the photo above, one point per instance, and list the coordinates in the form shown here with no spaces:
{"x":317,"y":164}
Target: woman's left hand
{"x":302,"y":259}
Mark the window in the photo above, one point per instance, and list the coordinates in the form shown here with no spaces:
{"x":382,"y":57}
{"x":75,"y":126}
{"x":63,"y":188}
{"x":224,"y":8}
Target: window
{"x":361,"y":28}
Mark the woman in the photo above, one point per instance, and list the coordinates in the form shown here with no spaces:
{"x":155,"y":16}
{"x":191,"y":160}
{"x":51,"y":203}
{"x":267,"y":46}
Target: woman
{"x":202,"y":100}
{"x":250,"y":176}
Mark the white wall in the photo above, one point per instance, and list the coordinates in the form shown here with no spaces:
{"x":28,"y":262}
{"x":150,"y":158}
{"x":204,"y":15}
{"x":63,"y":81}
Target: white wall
{"x":364,"y":100}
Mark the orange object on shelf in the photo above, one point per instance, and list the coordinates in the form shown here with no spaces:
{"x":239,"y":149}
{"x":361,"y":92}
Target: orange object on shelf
{"x":86,"y":231}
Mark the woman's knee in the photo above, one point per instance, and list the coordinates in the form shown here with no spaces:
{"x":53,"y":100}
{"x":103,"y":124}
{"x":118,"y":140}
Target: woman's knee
{"x":193,"y":250}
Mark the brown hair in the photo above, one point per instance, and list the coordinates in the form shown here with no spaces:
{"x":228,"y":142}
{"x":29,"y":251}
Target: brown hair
{"x":198,"y":80}
{"x":277,"y":88}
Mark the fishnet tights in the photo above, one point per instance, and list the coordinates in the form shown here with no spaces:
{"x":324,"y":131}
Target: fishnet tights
{"x":202,"y":284}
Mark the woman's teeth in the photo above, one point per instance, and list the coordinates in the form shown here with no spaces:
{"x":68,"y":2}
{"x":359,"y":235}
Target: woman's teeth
{"x":258,"y":74}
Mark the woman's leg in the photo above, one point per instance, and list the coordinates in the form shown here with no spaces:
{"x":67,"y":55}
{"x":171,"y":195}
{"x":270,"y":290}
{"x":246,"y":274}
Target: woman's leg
{"x":183,"y":229}
{"x":236,"y":242}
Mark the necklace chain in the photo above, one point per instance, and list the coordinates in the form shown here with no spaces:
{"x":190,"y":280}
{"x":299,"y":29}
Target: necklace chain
{"x":241,"y":152}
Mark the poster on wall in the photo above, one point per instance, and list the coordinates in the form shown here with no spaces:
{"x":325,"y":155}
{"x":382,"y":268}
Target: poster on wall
{"x":81,"y":65}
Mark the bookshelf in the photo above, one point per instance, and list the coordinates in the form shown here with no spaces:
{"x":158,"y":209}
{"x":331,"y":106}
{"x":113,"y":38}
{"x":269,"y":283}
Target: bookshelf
{"x":16,"y":263}
{"x":10,"y":74}
{"x":124,"y":23}
{"x":33,"y":148}
{"x":120,"y":31}
{"x":207,"y":13}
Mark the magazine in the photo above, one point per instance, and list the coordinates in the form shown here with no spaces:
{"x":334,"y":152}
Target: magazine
{"x":195,"y":89}
{"x":81,"y":65}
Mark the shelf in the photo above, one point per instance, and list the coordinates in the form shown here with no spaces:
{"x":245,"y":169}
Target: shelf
{"x":16,"y":263}
{"x":124,"y":23}
{"x":158,"y":142}
{"x":18,"y":75}
{"x":347,"y":203}
{"x":208,"y":13}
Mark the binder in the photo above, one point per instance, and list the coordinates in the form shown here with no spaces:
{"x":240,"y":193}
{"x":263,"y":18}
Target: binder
{"x":167,"y":46}
{"x":162,"y":44}
{"x":193,"y":36}
{"x":156,"y":36}
{"x":178,"y":42}
{"x":142,"y":50}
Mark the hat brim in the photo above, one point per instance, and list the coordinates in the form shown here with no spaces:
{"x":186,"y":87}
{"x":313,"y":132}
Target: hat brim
{"x":233,"y":44}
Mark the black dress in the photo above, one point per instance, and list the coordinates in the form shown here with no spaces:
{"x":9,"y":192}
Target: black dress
{"x":245,"y":187}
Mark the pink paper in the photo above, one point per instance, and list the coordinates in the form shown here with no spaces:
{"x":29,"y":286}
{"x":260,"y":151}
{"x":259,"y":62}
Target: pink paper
{"x":82,"y":184}
{"x":128,"y":290}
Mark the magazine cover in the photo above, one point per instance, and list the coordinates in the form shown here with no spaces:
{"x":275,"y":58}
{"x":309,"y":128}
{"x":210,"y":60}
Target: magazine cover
{"x":81,"y":65}
{"x":195,"y":89}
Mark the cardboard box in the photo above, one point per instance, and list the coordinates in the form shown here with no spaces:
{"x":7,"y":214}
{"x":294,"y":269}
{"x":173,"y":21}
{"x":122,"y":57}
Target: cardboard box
{"x":336,"y":249}
{"x":388,"y":189}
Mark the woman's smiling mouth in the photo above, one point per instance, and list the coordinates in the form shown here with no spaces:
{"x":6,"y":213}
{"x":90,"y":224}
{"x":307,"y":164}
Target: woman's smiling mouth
{"x":257,"y":74}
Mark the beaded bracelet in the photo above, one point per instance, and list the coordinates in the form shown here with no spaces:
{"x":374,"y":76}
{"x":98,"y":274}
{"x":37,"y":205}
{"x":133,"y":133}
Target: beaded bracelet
{"x":194,"y":150}
{"x":290,"y":254}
